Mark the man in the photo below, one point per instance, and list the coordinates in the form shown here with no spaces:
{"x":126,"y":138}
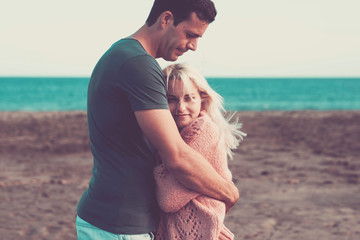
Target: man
{"x":129,"y":119}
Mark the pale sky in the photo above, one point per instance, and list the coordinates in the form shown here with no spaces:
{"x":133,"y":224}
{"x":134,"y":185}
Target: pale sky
{"x":249,"y":38}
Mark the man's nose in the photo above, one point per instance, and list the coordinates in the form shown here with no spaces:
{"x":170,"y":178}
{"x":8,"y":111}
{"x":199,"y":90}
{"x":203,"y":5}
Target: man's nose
{"x":192,"y":44}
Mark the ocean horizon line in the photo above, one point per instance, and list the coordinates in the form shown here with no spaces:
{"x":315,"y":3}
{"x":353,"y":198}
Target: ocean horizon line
{"x":210,"y":77}
{"x":239,"y":93}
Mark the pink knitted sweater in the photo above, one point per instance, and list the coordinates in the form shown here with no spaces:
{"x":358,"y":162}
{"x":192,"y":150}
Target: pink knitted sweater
{"x":187,"y":215}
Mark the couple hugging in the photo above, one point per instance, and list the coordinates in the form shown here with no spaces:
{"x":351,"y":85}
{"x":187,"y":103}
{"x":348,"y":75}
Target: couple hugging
{"x":159,"y":139}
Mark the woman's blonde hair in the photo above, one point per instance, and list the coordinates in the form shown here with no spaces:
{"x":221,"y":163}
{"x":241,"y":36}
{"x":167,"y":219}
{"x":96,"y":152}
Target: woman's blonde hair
{"x":211,"y":102}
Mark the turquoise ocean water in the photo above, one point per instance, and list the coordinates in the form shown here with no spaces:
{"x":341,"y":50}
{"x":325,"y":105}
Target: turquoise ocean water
{"x":258,"y":94}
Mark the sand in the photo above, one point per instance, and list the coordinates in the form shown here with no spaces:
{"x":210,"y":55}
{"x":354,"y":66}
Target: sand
{"x":298,"y":174}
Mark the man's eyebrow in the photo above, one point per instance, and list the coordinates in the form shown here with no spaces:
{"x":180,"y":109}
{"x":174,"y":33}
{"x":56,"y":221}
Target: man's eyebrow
{"x":195,"y":35}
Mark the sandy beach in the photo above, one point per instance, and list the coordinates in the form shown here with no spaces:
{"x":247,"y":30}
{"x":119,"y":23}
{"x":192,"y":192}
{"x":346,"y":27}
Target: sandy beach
{"x":298,"y":174}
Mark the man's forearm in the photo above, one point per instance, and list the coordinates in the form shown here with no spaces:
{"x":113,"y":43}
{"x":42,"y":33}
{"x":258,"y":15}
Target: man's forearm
{"x":196,"y":173}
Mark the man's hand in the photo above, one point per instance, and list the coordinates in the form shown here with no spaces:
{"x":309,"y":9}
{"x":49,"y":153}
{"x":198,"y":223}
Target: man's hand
{"x":233,"y":196}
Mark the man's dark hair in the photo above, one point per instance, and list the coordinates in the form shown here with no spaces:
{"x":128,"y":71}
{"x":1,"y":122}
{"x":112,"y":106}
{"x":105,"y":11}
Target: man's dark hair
{"x":181,"y":10}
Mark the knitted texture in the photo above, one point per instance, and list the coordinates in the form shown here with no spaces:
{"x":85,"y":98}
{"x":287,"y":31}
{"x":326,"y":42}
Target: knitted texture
{"x":186,"y":214}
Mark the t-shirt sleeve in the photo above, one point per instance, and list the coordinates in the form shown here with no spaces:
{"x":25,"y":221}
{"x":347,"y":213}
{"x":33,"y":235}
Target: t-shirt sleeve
{"x":144,"y":84}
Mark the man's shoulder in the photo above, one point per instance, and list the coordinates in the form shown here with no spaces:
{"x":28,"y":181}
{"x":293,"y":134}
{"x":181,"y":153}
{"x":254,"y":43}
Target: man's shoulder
{"x":131,"y":54}
{"x":129,"y":48}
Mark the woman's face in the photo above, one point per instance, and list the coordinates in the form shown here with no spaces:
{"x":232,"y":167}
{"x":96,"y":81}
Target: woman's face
{"x":185,"y":105}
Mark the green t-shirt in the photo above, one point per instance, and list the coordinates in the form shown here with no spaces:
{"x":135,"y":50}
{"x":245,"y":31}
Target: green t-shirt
{"x":121,"y":195}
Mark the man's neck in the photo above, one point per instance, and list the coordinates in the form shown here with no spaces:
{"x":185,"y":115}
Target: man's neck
{"x":146,"y":37}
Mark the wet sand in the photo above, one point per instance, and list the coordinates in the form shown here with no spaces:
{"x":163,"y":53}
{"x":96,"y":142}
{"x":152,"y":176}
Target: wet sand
{"x":298,"y":174}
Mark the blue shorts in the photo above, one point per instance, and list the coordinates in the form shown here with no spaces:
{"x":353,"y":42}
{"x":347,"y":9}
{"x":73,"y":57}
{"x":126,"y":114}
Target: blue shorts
{"x":86,"y":231}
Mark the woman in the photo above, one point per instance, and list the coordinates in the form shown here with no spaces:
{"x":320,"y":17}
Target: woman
{"x":197,"y":110}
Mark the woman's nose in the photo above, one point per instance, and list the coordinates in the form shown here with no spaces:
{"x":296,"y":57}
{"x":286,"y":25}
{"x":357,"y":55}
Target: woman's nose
{"x":180,"y":107}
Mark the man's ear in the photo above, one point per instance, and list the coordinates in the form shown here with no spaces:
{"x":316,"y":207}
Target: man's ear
{"x":166,"y":18}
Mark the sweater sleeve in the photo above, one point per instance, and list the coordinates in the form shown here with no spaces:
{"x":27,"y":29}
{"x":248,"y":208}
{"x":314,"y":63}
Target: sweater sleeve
{"x":171,"y":195}
{"x":226,"y":234}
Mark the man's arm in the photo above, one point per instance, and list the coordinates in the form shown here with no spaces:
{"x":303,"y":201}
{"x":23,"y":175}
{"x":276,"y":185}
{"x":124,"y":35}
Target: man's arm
{"x":188,"y":166}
